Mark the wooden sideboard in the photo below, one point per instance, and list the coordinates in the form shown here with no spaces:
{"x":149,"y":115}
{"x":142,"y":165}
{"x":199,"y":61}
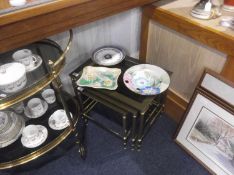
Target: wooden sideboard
{"x":175,"y":17}
{"x":30,"y":24}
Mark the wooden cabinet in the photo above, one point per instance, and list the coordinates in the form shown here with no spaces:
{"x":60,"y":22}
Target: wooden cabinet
{"x":34,"y":23}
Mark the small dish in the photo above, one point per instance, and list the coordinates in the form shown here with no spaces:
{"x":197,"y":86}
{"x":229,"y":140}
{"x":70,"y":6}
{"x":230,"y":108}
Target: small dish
{"x":37,"y":141}
{"x":99,"y":77}
{"x":34,"y":65}
{"x":108,"y":55}
{"x":28,"y":113}
{"x":146,"y":79}
{"x":58,"y":120}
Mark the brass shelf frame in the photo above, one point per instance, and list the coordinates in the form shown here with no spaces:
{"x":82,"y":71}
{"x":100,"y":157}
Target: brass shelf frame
{"x":34,"y":155}
{"x":57,"y":67}
{"x":52,"y":77}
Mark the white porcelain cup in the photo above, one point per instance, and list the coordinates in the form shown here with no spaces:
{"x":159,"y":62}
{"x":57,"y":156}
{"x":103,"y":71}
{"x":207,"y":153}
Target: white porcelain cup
{"x":31,"y":132}
{"x":49,"y":96}
{"x":25,"y":57}
{"x":35,"y":106}
{"x":60,"y":118}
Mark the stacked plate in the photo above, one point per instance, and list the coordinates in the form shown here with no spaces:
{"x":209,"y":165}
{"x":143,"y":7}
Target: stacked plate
{"x":11,"y":126}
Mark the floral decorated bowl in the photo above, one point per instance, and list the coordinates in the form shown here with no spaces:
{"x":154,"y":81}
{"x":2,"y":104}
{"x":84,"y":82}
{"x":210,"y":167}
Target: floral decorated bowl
{"x":146,"y":79}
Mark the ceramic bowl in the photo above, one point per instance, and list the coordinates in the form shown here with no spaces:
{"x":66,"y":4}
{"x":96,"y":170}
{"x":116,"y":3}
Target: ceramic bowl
{"x":12,"y":77}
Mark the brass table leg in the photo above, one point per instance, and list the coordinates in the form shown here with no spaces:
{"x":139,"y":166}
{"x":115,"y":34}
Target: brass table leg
{"x":125,"y":132}
{"x":140,"y":133}
{"x":134,"y":131}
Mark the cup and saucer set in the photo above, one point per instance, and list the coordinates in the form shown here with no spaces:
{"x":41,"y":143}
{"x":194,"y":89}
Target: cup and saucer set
{"x":37,"y":107}
{"x":34,"y":135}
{"x":28,"y":59}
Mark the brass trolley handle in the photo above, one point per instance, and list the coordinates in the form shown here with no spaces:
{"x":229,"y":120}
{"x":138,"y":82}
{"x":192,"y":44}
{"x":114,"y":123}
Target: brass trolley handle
{"x":62,"y":57}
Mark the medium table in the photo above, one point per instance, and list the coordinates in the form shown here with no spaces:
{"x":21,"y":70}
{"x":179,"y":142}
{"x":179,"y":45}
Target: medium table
{"x":138,"y":112}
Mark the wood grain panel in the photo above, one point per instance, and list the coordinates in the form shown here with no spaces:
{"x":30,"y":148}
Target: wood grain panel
{"x":228,"y":69}
{"x":186,"y":60}
{"x":175,"y":105}
{"x":144,"y":33}
{"x":46,"y":25}
{"x":181,"y":22}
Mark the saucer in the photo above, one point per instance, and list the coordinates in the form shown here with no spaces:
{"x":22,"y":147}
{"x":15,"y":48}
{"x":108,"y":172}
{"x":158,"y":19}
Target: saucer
{"x":43,"y":134}
{"x":30,"y":115}
{"x":54,"y":120}
{"x":32,"y":67}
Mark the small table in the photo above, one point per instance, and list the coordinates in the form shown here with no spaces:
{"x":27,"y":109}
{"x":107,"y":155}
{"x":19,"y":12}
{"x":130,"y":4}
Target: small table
{"x":139,"y":112}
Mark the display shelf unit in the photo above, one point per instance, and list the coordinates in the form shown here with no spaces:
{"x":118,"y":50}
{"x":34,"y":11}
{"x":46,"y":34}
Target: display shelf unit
{"x":45,"y":76}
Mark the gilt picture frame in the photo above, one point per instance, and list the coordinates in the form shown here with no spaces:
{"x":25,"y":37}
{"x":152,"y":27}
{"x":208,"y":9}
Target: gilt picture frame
{"x":218,"y":87}
{"x":207,"y":133}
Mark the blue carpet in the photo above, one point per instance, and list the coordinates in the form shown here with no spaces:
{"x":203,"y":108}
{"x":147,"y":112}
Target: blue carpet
{"x":159,"y":156}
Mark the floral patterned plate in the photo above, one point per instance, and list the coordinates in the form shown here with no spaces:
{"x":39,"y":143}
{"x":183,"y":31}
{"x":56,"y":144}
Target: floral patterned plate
{"x":146,"y":79}
{"x":99,"y":77}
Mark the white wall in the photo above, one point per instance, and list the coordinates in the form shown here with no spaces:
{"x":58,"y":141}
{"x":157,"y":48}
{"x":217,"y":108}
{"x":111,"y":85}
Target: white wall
{"x":122,"y":30}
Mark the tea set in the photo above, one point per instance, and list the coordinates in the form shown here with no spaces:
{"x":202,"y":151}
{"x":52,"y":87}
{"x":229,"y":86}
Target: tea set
{"x":25,"y":61}
{"x":12,"y":122}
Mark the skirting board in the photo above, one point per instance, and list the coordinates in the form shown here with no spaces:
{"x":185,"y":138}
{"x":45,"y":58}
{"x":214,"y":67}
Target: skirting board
{"x":175,"y":105}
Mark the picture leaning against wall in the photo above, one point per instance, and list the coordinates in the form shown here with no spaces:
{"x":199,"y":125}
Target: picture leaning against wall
{"x":207,"y":134}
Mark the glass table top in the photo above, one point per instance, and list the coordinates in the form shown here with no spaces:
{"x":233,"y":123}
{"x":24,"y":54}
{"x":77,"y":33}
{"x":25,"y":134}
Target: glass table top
{"x":122,"y":96}
{"x":46,"y":50}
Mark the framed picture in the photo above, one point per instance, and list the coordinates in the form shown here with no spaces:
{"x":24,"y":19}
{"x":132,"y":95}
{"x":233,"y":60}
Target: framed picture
{"x":207,"y":133}
{"x":219,"y":87}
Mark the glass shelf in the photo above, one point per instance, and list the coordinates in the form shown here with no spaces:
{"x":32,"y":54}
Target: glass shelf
{"x":16,"y":154}
{"x":52,"y":61}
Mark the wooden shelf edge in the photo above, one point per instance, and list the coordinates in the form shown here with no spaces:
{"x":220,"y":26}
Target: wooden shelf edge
{"x":33,"y":11}
{"x":45,"y":25}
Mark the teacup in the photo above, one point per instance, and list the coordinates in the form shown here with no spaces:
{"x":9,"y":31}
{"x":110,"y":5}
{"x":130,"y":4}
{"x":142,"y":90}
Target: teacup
{"x":49,"y":96}
{"x":60,"y":117}
{"x":28,"y":61}
{"x":20,"y":54}
{"x":31,"y":132}
{"x":35,"y":106}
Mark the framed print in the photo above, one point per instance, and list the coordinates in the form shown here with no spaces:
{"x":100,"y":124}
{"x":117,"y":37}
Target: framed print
{"x":217,"y":86}
{"x":207,"y":133}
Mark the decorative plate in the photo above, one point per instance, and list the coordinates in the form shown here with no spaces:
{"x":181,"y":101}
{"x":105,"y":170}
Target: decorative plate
{"x":30,"y":115}
{"x":43,"y":134}
{"x":108,"y":56}
{"x":58,"y":120}
{"x":146,"y":79}
{"x":10,"y":133}
{"x":99,"y":77}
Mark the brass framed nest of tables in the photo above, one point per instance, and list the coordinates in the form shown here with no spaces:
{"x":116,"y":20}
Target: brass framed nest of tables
{"x":138,"y":112}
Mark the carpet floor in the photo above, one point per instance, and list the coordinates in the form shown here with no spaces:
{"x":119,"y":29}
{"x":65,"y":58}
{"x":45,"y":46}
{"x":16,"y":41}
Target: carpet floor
{"x":159,"y":155}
